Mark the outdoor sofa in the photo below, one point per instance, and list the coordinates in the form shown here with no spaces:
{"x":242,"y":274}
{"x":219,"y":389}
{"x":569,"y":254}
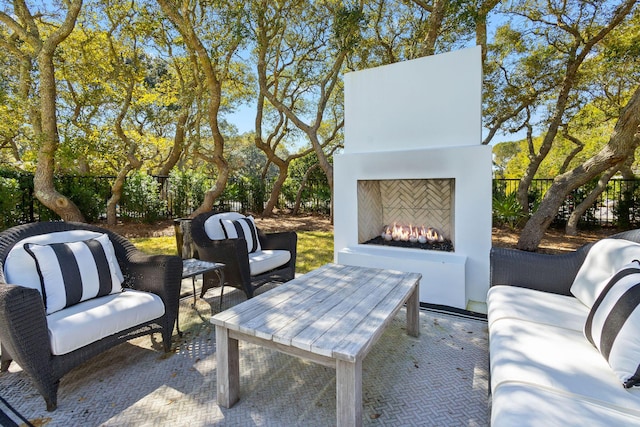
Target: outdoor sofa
{"x":541,"y":309}
{"x":69,"y":291}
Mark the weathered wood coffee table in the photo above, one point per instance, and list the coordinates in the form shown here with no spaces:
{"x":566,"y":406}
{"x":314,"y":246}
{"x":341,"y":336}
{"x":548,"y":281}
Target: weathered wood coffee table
{"x":331,"y":316}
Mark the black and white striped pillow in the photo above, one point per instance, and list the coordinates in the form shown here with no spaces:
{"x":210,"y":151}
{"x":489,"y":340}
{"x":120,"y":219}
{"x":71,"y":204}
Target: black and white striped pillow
{"x":613,"y":324}
{"x":242,"y":228}
{"x":76,"y":271}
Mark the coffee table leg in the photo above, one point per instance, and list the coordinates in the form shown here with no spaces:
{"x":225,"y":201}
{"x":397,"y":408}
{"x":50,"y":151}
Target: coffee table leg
{"x":413,"y":312}
{"x":349,"y":393}
{"x":227,"y":368}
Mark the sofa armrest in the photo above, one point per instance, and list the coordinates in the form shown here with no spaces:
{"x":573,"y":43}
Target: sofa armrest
{"x":23,"y":329}
{"x":543,"y":272}
{"x":287,"y":240}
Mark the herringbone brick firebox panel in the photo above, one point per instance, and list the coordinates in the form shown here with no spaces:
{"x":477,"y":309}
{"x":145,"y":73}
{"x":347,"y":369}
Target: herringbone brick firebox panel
{"x":417,"y":202}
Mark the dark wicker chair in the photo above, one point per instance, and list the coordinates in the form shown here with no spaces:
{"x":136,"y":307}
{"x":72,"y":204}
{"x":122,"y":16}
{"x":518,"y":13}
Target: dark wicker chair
{"x":234,"y":254}
{"x":23,"y":323}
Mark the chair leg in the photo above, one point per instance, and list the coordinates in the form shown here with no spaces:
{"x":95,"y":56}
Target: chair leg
{"x":221,"y":294}
{"x":5,"y":359}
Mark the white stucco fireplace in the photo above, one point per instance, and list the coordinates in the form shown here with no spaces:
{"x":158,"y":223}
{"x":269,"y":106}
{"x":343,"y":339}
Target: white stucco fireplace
{"x":413,"y":157}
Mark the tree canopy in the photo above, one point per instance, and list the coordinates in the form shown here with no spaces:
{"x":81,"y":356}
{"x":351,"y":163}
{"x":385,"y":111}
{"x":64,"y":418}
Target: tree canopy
{"x":110,"y":86}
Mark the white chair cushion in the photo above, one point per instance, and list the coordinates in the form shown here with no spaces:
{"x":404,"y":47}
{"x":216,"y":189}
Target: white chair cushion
{"x":73,"y":272}
{"x":268,"y":259}
{"x":512,"y":302}
{"x":20,"y":268}
{"x":604,"y":258}
{"x":97,"y":318}
{"x":613,"y":324}
{"x":242,"y":228}
{"x":212,"y":225}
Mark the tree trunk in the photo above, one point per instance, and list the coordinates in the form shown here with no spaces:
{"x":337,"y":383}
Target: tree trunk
{"x":623,"y":142}
{"x":43,"y":185}
{"x":116,"y":195}
{"x":303,"y":184}
{"x":178,"y":139}
{"x":43,"y":115}
{"x":275,"y":192}
{"x":577,"y":53}
{"x":572,"y":224}
{"x":214,"y":88}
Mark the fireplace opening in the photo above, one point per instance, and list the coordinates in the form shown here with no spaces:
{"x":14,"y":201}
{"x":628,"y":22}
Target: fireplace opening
{"x":407,"y":213}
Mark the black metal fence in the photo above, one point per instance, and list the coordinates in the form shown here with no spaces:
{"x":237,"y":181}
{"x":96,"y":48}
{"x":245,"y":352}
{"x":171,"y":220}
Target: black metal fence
{"x":618,"y":205}
{"x":166,"y":198}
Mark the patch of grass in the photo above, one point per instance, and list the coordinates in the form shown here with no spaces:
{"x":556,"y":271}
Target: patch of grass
{"x":315,"y":248}
{"x":165,"y":245}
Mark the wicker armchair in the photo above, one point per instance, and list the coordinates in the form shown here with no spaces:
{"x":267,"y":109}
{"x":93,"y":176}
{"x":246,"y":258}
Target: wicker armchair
{"x":234,"y":254}
{"x":24,"y":333}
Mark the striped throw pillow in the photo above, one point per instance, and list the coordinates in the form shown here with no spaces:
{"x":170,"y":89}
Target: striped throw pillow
{"x":76,"y":271}
{"x":242,"y":228}
{"x":613,"y":324}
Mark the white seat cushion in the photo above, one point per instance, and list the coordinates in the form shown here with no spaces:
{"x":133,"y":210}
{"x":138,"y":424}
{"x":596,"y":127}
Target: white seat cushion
{"x":268,"y":259}
{"x":554,"y":358}
{"x":512,"y":302}
{"x":524,"y":405}
{"x":94,"y":319}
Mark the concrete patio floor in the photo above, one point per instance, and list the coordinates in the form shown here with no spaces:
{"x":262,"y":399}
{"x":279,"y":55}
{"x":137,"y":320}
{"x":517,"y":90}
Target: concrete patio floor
{"x":438,"y":379}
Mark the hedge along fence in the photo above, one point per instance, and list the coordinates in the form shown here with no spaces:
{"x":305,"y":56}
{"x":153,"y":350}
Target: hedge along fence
{"x":149,"y":198}
{"x":617,"y":206}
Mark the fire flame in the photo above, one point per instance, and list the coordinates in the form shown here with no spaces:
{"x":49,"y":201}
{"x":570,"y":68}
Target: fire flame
{"x":412,"y":234}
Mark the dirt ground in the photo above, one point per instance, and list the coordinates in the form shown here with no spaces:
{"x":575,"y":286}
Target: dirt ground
{"x":555,"y":241}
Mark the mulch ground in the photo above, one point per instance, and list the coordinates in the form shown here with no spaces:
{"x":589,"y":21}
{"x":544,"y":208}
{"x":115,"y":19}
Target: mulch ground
{"x":555,"y":241}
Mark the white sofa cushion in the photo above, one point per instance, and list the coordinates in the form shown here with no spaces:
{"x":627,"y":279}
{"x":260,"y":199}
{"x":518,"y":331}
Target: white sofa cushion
{"x":512,"y":302}
{"x":212,"y":225}
{"x":554,"y":358}
{"x":73,"y":272}
{"x":268,"y":259}
{"x":613,"y":324}
{"x":97,"y":318}
{"x":242,"y":228}
{"x":524,"y":405}
{"x":605,"y":257}
{"x":20,"y":267}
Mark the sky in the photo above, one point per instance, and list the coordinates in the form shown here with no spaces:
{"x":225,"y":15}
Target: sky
{"x":244,"y":120}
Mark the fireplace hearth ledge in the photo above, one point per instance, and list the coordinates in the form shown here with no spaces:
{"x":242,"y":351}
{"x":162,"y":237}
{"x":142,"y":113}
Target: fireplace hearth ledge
{"x":443,"y":273}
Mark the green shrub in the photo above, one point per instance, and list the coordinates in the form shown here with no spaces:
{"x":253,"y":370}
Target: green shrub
{"x":186,"y":191}
{"x":141,"y":199}
{"x":10,"y":200}
{"x":90,"y":203}
{"x":506,"y":210}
